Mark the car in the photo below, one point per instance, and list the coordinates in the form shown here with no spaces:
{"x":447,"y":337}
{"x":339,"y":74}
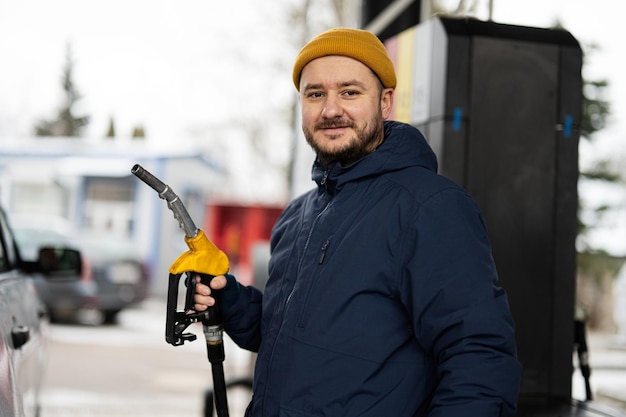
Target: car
{"x":114,"y":276}
{"x":24,"y":320}
{"x":116,"y":267}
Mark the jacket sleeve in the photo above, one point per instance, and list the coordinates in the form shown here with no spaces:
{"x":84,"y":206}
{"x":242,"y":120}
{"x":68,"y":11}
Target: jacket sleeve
{"x":460,"y":316}
{"x":242,"y":319}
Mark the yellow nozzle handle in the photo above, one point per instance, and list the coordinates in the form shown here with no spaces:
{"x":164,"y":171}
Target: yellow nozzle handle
{"x":202,"y":257}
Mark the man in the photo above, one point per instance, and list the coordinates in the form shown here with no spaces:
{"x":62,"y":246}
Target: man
{"x":382,"y":297}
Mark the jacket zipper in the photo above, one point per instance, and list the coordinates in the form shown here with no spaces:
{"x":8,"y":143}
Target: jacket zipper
{"x":324,"y":248}
{"x":324,"y":178}
{"x":305,"y":304}
{"x":306,"y":246}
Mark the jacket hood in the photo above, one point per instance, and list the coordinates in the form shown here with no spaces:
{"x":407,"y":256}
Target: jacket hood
{"x":404,"y":146}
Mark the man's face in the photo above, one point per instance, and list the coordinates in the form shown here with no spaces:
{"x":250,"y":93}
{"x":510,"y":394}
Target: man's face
{"x":343,"y":108}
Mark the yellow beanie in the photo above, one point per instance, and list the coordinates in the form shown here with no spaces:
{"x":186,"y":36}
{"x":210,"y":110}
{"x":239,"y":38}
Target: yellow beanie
{"x":359,"y":44}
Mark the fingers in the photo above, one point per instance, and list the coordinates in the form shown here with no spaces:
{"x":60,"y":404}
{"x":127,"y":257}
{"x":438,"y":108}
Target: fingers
{"x":202,"y":297}
{"x":200,"y":307}
{"x":218,"y":282}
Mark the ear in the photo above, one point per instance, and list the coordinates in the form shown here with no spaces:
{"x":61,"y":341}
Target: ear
{"x":386,"y":102}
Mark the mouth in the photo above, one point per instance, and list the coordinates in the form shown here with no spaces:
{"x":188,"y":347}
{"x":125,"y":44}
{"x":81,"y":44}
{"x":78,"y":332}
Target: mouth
{"x":333,"y":128}
{"x":333,"y":131}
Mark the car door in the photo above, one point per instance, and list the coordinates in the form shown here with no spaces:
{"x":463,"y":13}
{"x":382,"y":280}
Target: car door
{"x":21,"y":343}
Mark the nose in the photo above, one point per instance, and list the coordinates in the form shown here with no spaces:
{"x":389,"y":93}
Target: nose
{"x":332,"y":108}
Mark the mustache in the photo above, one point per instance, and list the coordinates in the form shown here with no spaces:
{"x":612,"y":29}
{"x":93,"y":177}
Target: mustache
{"x":328,"y":124}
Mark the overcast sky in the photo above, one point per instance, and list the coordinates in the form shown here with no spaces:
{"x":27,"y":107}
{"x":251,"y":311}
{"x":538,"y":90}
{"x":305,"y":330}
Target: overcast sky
{"x":178,"y":67}
{"x":172,"y":66}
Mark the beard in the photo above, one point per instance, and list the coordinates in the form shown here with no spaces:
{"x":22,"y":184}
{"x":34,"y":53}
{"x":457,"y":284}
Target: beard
{"x":365,"y":140}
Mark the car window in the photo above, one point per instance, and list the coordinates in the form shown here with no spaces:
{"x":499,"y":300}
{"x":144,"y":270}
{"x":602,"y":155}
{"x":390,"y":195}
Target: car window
{"x":30,"y":240}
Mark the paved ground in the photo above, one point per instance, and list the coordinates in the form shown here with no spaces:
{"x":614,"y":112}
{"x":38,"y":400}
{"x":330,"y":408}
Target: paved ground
{"x":129,"y":370}
{"x":607,"y":357}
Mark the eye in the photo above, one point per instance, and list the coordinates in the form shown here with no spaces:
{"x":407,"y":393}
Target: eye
{"x":315,"y":94}
{"x":350,"y":93}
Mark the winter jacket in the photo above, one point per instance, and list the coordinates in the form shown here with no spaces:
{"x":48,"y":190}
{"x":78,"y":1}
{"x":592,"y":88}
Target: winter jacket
{"x":382,"y":298}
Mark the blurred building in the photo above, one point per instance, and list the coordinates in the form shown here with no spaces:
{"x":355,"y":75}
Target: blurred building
{"x":89,"y":183}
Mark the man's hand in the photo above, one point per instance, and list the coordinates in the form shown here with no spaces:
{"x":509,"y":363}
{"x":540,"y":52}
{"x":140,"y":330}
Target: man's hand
{"x":202,"y":298}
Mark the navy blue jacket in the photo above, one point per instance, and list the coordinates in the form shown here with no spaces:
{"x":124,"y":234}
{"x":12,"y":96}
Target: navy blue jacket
{"x":382,"y":298}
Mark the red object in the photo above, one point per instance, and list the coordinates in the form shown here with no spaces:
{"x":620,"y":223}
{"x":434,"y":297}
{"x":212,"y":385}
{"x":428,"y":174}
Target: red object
{"x":235,"y":229}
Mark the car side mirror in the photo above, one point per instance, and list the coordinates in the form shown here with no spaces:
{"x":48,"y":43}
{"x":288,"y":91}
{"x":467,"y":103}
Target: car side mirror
{"x":59,"y":262}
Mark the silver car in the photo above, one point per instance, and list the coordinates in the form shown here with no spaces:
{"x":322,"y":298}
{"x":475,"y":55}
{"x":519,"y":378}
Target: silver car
{"x":24,"y":321}
{"x":113,"y":276}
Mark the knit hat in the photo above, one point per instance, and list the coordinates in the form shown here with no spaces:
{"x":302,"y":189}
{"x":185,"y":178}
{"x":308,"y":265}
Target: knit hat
{"x":359,"y":44}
